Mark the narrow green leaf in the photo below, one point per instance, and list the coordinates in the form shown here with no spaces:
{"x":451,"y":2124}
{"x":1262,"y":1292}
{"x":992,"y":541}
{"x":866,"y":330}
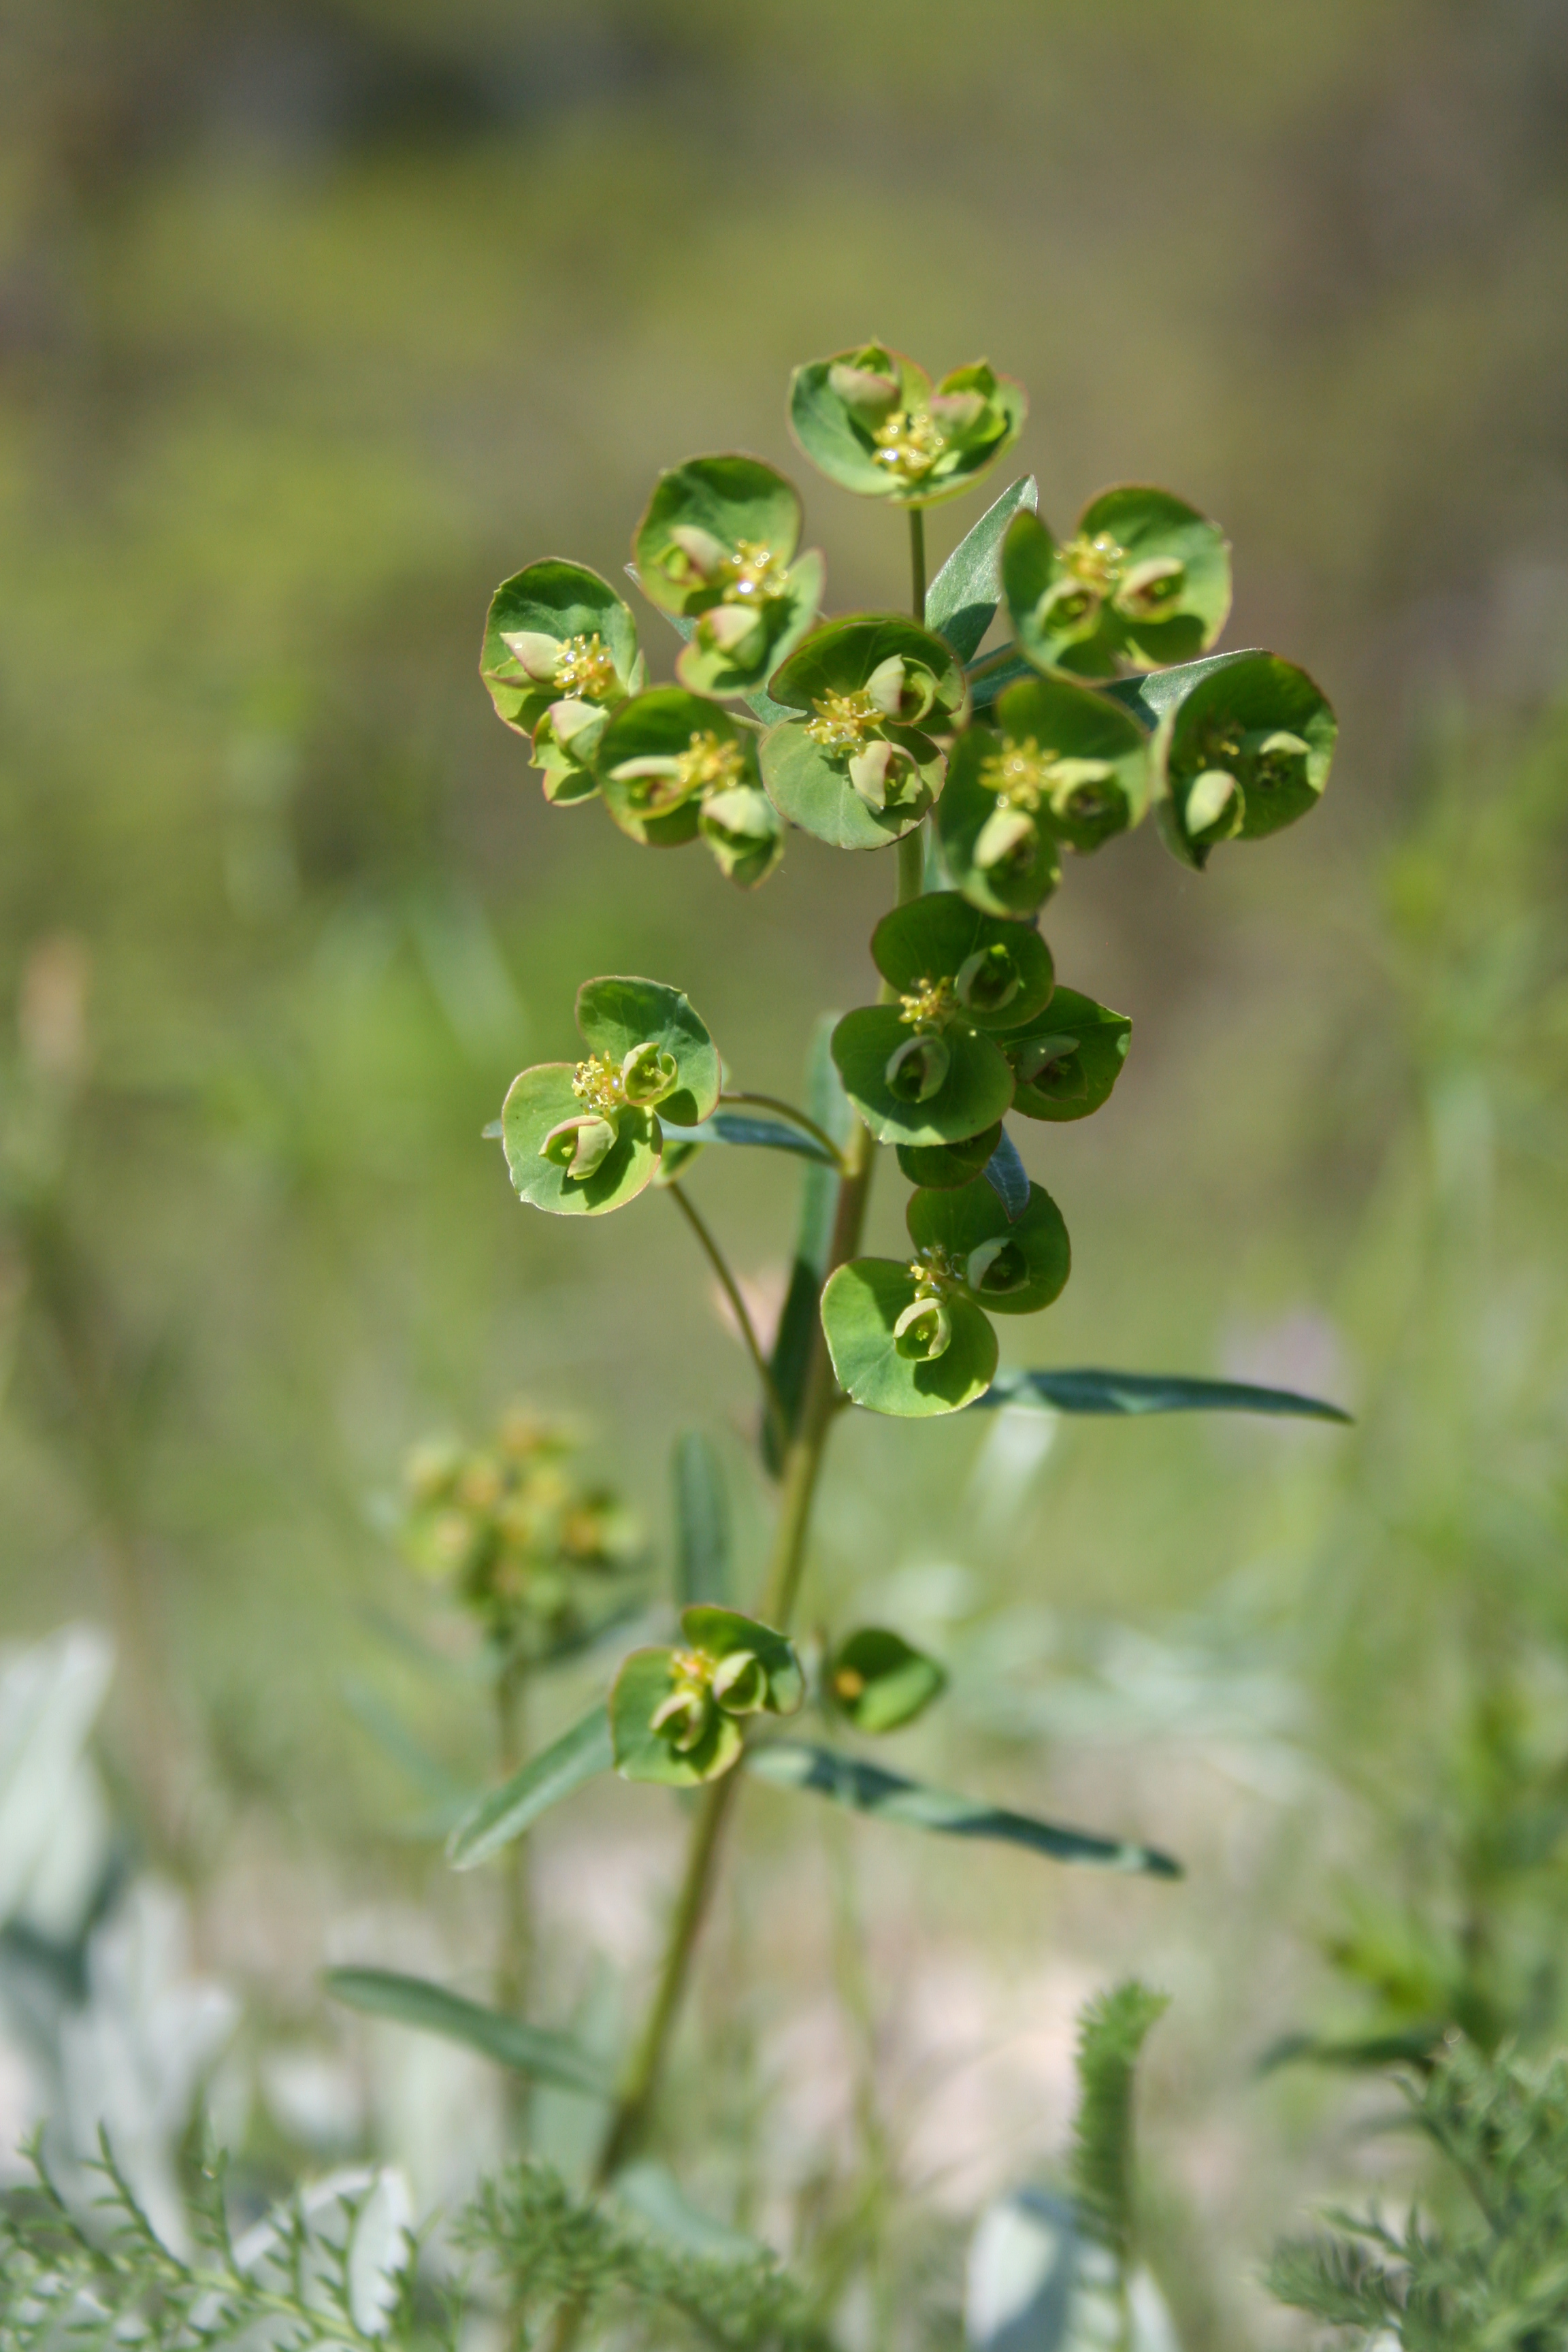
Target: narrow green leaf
{"x":543,"y":2056}
{"x":702,"y":1540}
{"x":392,"y":1736}
{"x":1008,"y":1177}
{"x":867,"y":1789}
{"x":962,"y":601}
{"x":578,"y":1756}
{"x":763,"y":1134}
{"x":1135,"y":1392}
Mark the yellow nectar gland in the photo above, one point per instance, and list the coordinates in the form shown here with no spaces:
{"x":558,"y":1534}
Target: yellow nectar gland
{"x":751,"y":575}
{"x":843,"y":721}
{"x":597,"y":1087}
{"x":585,"y":668}
{"x":709,"y":764}
{"x":930,"y":1004}
{"x":936,"y":1273}
{"x":908,"y":446}
{"x":1099,"y":561}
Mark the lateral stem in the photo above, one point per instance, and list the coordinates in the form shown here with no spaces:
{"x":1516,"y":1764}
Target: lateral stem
{"x":738,"y":1307}
{"x":917,"y":562}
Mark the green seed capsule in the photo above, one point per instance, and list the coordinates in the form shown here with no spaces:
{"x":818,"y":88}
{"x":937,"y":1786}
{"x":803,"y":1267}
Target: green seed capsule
{"x":1214,"y":807}
{"x":740,"y":1684}
{"x":647,"y":1075}
{"x":918,"y":1068}
{"x":997,"y":1267}
{"x":579,"y":1145}
{"x":988,"y":980}
{"x":923,"y":1331}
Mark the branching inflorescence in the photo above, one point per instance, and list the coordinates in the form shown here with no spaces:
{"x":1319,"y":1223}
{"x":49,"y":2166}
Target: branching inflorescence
{"x":983,"y":770}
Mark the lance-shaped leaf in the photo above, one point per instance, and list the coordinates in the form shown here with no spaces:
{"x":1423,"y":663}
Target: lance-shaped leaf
{"x":1094,"y":1392}
{"x":870,"y":419}
{"x":1150,"y":696}
{"x":1066,"y":1060}
{"x":994,"y":973}
{"x":878,"y":1682}
{"x":619,"y":1013}
{"x":890,"y":1797}
{"x":940,"y":1166}
{"x":759,"y":1134}
{"x":962,"y":601}
{"x":1245,"y":751}
{"x":829,"y":1105}
{"x":579,"y":1755}
{"x":1144,"y":577}
{"x":560,"y":648}
{"x":702,"y":1535}
{"x":862,"y":766}
{"x":529,"y":2050}
{"x":876,"y":1341}
{"x":961,"y":1084}
{"x":1012,"y":1264}
{"x":1008,"y":1177}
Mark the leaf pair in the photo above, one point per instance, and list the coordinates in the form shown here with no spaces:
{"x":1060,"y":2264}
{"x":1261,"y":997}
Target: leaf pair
{"x":1145,"y":578}
{"x":979,"y":1027}
{"x":676,"y":1715}
{"x":915,"y":1338}
{"x":581,"y":1140}
{"x":864,"y":766}
{"x":872,"y":421}
{"x":559,"y":652}
{"x":717,"y":549}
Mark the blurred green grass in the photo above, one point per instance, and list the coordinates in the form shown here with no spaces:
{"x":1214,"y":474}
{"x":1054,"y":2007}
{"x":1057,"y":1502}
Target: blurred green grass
{"x":316,"y":320}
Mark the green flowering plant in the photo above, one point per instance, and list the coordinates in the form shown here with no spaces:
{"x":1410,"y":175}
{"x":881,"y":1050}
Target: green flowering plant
{"x":983,"y":771}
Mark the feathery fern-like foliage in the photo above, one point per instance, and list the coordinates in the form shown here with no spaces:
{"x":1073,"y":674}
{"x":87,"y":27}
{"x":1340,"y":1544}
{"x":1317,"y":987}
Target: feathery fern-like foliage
{"x":1112,"y":2033}
{"x":1500,"y":2287}
{"x":548,"y":2248}
{"x":65,"y":2284}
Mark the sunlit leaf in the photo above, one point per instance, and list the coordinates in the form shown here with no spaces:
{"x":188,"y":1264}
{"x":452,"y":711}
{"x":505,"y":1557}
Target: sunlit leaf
{"x":962,"y":601}
{"x":890,"y":1797}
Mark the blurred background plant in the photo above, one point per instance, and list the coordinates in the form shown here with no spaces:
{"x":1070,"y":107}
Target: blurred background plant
{"x":315,"y":320}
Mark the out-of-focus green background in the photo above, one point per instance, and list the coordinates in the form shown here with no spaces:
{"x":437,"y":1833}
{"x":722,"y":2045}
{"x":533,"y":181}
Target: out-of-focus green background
{"x":317,"y":320}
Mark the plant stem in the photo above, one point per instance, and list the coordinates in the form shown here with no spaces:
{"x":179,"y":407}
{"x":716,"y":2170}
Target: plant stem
{"x":780,"y":1587}
{"x":515,"y":1960}
{"x":641,"y":2081}
{"x":795,"y":1118}
{"x":732,"y":1289}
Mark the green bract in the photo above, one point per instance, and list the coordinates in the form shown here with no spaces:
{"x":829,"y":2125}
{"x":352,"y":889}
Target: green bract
{"x":1066,"y":1060}
{"x":919,"y":1086}
{"x":883,"y":1366}
{"x":1056,"y":762}
{"x":583,"y":1139}
{"x":1245,"y":751}
{"x":673,"y":768}
{"x":560,"y":650}
{"x":1145,"y":579}
{"x":912,"y":1338}
{"x":940,"y":1165}
{"x":980,"y":968}
{"x":717,"y":547}
{"x":871,"y":421}
{"x":879,"y":1682}
{"x":676,"y":1713}
{"x":862,"y":767}
{"x":923,"y":1071}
